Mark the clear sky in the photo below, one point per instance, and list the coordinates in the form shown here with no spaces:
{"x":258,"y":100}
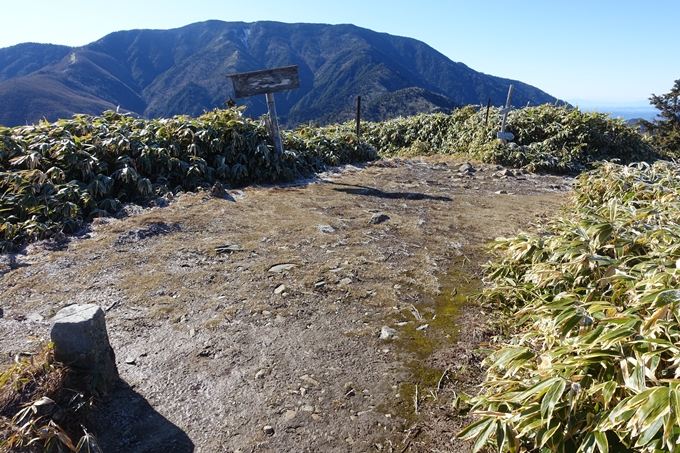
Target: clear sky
{"x":584,"y":51}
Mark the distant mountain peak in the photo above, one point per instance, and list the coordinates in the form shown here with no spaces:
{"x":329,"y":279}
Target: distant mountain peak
{"x":160,"y":73}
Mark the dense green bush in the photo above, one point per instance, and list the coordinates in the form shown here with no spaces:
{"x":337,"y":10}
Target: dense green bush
{"x":54,"y":176}
{"x":595,"y":364}
{"x":547,"y":138}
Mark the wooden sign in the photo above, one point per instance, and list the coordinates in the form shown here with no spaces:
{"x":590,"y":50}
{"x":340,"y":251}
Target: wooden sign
{"x":265,"y":81}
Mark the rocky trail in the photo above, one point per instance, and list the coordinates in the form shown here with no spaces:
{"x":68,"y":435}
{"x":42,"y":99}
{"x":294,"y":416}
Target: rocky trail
{"x":328,"y":315}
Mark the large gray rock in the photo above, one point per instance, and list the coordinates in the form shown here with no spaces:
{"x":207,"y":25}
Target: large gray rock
{"x":80,"y":340}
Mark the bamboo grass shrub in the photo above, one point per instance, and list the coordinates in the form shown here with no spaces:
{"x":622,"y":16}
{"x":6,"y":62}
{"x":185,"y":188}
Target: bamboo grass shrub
{"x":458,"y":133}
{"x":54,"y":176}
{"x":568,"y":140}
{"x":596,"y":363}
{"x":547,"y":138}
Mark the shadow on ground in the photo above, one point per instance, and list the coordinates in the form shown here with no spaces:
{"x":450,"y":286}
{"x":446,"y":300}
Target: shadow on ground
{"x":373,"y":192}
{"x":126,"y":422}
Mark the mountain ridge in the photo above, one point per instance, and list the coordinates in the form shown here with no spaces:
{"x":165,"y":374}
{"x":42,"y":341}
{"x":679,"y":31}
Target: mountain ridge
{"x":161,"y":73}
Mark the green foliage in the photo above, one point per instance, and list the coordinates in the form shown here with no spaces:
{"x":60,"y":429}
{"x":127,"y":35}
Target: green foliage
{"x":435,"y":133}
{"x":666,"y":130}
{"x":55,"y":176}
{"x":595,"y":365}
{"x":547,"y":137}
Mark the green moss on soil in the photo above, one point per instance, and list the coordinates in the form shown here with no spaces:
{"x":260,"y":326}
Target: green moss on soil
{"x":416,"y":346}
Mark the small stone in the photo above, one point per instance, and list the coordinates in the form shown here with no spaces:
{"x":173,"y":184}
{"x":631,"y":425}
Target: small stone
{"x":260,"y":374}
{"x":310,"y":380}
{"x":345,"y":282}
{"x":280,"y":319}
{"x":402,"y":324}
{"x":266,"y":312}
{"x":501,"y":192}
{"x":320,"y":284}
{"x":466,"y":168}
{"x":290,"y":414}
{"x":228,"y":249}
{"x":130,"y":360}
{"x":326,"y":229}
{"x":279,"y":289}
{"x":379,"y":218}
{"x":307,"y":408}
{"x":423,"y":327}
{"x":278,"y":268}
{"x":35,"y":317}
{"x":503,"y":173}
{"x":192,"y":332}
{"x":218,"y":190}
{"x":316,"y":417}
{"x":268,"y":430}
{"x":387,"y":332}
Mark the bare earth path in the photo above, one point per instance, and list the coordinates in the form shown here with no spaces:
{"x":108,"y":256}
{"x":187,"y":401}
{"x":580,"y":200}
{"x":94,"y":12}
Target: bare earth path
{"x":222,"y":349}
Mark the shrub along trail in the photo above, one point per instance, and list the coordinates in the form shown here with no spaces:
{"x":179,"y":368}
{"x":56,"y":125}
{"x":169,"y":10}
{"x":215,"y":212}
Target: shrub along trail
{"x":250,"y":320}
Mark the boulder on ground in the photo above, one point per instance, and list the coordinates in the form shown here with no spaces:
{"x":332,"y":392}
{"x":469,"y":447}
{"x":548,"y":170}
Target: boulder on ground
{"x":81,"y":341}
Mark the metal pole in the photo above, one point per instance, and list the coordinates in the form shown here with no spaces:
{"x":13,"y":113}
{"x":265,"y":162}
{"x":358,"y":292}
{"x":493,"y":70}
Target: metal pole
{"x":507,"y":108}
{"x":358,"y":116}
{"x":271,"y":107}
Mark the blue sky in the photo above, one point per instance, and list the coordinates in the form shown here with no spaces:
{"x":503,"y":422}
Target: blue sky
{"x":590,"y":52}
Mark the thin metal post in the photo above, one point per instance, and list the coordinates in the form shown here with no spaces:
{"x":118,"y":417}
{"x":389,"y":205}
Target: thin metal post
{"x":358,"y":116}
{"x":271,"y":107}
{"x":507,"y":108}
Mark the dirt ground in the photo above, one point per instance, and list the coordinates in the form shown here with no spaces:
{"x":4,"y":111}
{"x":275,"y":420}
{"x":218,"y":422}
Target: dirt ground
{"x":323,"y":316}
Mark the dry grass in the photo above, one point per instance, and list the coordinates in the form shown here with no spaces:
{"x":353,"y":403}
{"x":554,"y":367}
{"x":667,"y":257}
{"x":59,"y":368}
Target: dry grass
{"x":40,"y":406}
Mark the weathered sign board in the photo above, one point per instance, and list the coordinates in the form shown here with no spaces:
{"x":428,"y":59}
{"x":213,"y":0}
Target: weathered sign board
{"x":265,"y":81}
{"x":268,"y":82}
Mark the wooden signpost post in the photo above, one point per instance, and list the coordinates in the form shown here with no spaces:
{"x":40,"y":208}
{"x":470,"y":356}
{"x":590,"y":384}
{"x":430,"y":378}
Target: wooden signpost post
{"x":267,"y":82}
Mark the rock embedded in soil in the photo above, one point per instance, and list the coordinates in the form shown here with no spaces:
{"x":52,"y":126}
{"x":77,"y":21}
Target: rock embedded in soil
{"x":387,"y":333}
{"x":229,"y":248}
{"x":379,"y":218}
{"x":278,"y":268}
{"x":81,"y":341}
{"x":466,"y":168}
